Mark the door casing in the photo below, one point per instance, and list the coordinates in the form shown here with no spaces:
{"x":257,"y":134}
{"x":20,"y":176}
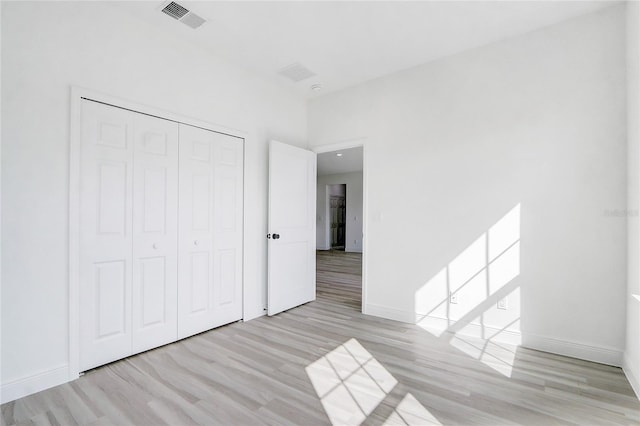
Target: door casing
{"x":356,"y":143}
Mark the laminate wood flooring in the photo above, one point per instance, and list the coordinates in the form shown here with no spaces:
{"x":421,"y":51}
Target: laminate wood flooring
{"x":325,"y":362}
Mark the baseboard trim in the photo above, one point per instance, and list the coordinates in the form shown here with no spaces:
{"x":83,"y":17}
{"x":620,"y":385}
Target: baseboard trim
{"x":632,"y":375}
{"x":599,"y":354}
{"x":34,"y":383}
{"x":438,"y":326}
{"x":389,"y":313}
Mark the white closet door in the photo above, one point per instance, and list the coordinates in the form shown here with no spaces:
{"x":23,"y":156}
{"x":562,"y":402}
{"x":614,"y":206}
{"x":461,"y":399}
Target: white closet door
{"x":155,"y":232}
{"x":210,"y":230}
{"x":228,"y":155}
{"x":105,"y":234}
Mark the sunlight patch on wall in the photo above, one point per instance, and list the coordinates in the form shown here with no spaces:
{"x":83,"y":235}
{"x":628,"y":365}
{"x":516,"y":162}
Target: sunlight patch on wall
{"x":431,"y":300}
{"x":476,"y":295}
{"x":468,"y":279}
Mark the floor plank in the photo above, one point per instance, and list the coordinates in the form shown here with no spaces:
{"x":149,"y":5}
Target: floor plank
{"x":326,"y":361}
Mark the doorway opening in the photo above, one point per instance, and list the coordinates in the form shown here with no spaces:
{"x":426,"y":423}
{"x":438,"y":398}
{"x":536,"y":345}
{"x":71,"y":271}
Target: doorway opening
{"x":340,"y":226}
{"x":337,"y":194}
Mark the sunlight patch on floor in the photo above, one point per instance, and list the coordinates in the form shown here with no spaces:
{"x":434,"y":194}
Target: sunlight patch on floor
{"x":350,"y":382}
{"x":410,"y":412}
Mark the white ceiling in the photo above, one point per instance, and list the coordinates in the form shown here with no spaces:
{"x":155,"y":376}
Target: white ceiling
{"x":349,"y":42}
{"x":329,"y":163}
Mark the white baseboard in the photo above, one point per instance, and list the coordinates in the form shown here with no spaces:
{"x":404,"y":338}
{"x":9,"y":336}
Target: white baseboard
{"x":599,"y":354}
{"x":389,"y":313}
{"x":632,"y":374}
{"x":437,"y":326}
{"x":34,"y":383}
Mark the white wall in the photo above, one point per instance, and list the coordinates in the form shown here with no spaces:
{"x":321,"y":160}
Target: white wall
{"x":353,"y":238}
{"x":46,"y":48}
{"x":536,"y":121}
{"x":1,"y":287}
{"x":632,"y":350}
{"x":337,"y":189}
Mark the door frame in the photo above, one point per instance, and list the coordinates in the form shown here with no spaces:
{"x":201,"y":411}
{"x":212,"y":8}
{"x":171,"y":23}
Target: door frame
{"x":328,"y":233}
{"x":356,"y":143}
{"x":328,"y":230}
{"x":77,"y":95}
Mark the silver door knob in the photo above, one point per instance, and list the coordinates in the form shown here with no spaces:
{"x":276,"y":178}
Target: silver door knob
{"x":155,"y":246}
{"x":195,"y":242}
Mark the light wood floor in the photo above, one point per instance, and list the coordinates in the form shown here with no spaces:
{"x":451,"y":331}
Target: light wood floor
{"x":325,"y":360}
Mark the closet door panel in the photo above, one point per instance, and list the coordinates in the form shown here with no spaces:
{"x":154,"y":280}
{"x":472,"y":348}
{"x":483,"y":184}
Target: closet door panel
{"x":155,"y":231}
{"x":210,"y":246}
{"x":227,"y":220}
{"x":195,"y":242}
{"x":106,"y":177}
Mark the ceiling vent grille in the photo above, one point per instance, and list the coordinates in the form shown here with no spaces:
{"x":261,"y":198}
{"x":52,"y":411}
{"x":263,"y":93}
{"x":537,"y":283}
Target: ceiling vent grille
{"x":296,"y":72}
{"x":184,"y":15}
{"x":174,"y":10}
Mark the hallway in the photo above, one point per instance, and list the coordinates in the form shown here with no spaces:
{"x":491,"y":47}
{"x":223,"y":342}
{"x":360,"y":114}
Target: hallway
{"x":339,"y":277}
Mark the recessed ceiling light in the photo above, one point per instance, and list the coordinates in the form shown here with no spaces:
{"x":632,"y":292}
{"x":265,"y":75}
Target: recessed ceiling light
{"x":339,"y":154}
{"x":316,"y":87}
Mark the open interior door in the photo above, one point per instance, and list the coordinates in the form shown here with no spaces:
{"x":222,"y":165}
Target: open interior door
{"x":292,"y":227}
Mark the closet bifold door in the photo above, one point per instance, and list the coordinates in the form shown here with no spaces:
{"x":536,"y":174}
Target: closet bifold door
{"x":128,"y":233}
{"x":106,"y":234}
{"x":210,"y":230}
{"x":155,"y":232}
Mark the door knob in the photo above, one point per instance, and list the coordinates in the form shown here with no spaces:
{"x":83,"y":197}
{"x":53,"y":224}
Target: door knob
{"x":195,"y":242}
{"x":276,"y":236}
{"x":155,"y":246}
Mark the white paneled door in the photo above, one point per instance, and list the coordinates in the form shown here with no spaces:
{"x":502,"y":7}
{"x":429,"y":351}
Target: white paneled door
{"x":155,"y":232}
{"x":292,"y":227}
{"x":161,"y":232}
{"x":106,"y":231}
{"x":210,"y":230}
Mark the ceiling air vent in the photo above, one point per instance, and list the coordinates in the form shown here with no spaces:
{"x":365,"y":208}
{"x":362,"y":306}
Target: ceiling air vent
{"x":183,"y":15}
{"x":296,"y":72}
